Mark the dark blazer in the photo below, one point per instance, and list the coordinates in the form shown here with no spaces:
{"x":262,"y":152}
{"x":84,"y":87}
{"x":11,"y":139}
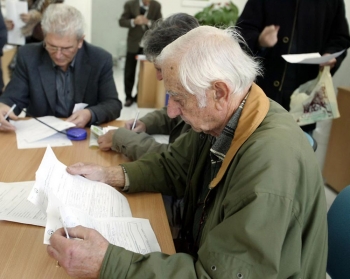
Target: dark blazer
{"x":320,"y":26}
{"x":33,"y":84}
{"x":132,"y":10}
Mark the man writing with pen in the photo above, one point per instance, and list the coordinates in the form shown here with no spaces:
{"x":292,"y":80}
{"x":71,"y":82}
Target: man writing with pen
{"x":52,"y":77}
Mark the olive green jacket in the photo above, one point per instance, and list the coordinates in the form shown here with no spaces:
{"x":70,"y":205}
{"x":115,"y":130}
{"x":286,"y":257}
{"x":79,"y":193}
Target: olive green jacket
{"x":134,"y":145}
{"x":265,"y":213}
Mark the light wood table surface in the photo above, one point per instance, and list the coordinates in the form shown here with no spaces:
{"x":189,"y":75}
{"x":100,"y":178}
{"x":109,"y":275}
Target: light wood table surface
{"x":22,"y":252}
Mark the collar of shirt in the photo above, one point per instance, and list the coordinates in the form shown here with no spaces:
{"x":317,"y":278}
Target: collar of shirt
{"x":71,"y":65}
{"x":142,"y":5}
{"x":223,"y":142}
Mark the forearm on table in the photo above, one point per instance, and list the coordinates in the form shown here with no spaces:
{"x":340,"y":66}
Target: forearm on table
{"x":115,"y":177}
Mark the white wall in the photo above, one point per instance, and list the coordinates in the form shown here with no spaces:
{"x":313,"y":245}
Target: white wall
{"x":85,"y":9}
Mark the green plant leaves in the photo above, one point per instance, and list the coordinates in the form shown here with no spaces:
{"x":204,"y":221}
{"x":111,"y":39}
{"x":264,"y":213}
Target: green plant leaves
{"x":218,"y":15}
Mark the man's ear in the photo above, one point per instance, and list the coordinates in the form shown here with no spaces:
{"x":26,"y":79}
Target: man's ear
{"x":81,"y":41}
{"x":221,"y":94}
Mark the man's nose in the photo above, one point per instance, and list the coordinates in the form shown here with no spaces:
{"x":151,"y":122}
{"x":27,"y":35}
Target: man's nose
{"x":58,"y":53}
{"x":159,"y":75}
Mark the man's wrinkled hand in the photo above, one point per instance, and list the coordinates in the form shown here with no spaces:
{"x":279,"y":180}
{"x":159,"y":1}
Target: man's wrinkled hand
{"x":139,"y":126}
{"x":113,"y":176}
{"x":6,"y":126}
{"x":80,"y":118}
{"x":82,"y":255}
{"x":105,"y":141}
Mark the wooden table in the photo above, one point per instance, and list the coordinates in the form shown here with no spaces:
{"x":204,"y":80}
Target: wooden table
{"x":22,"y":252}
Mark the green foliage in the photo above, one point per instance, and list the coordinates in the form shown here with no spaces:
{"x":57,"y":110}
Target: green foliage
{"x":219,"y":15}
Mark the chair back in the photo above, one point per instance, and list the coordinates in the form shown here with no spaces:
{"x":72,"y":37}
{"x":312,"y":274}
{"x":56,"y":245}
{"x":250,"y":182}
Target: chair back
{"x":311,"y":140}
{"x":338,"y":264}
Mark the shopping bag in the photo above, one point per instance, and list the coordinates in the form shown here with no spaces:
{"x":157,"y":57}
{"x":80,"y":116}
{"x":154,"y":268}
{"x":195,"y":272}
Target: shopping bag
{"x":315,"y":100}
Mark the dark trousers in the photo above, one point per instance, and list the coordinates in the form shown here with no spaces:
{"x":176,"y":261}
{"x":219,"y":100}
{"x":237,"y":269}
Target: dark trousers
{"x":129,"y":72}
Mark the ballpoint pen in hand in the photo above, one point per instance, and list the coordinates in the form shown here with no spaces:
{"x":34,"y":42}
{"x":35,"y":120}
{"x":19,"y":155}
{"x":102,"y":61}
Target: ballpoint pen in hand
{"x":136,"y":117}
{"x":11,"y":110}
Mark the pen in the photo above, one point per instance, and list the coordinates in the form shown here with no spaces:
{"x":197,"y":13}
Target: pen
{"x":11,"y":110}
{"x":65,"y":229}
{"x":137,"y":116}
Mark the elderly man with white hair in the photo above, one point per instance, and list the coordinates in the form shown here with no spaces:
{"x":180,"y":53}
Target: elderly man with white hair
{"x":53,"y":76}
{"x":253,"y":192}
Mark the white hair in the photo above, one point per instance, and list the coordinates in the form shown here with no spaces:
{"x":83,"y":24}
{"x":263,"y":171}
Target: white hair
{"x":207,"y":54}
{"x":63,"y":19}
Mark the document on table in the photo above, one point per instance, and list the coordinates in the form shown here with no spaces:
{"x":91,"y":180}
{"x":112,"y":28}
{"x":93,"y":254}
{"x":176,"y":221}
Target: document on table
{"x":34,"y":134}
{"x":134,"y":234}
{"x":85,"y":202}
{"x":310,"y":58}
{"x":15,"y":207}
{"x":13,"y":11}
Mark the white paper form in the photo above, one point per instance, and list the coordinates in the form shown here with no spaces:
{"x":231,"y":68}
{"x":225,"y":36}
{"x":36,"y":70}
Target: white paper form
{"x":310,"y":58}
{"x":13,"y":10}
{"x":95,"y":198}
{"x":33,"y":130}
{"x":133,"y":234}
{"x":79,"y":106}
{"x":33,"y":134}
{"x":15,"y":207}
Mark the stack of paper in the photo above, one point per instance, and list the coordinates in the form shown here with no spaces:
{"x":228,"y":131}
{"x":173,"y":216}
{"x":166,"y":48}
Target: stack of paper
{"x":74,"y":200}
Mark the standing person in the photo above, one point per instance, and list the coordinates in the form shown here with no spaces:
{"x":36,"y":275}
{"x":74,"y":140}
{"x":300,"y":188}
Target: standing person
{"x":3,"y":41}
{"x":138,"y":16}
{"x":273,"y":28}
{"x":32,"y":30}
{"x":50,"y":78}
{"x":254,"y":197}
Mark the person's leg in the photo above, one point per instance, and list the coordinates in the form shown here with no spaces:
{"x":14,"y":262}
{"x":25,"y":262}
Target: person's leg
{"x":135,"y":97}
{"x":129,"y":77}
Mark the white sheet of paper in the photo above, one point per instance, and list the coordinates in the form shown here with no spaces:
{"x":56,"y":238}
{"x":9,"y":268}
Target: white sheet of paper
{"x":73,"y":200}
{"x":32,"y":130}
{"x":15,"y":207}
{"x":79,"y":106}
{"x":310,"y":58}
{"x":133,"y":234}
{"x":96,"y":198}
{"x":13,"y":11}
{"x":54,"y":141}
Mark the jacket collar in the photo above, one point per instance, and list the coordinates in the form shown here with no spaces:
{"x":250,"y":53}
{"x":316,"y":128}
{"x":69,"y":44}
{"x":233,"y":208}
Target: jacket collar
{"x":254,"y":112}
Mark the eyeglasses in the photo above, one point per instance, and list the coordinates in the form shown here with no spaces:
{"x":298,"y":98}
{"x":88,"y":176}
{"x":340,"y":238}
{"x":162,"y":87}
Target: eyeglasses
{"x":53,"y":49}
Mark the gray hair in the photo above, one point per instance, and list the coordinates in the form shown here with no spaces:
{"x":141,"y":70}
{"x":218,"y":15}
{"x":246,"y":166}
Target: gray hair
{"x":63,"y":20}
{"x":164,"y":32}
{"x":207,"y":54}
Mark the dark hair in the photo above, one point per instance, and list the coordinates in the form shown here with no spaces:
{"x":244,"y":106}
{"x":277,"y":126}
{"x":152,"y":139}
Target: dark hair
{"x":164,"y":32}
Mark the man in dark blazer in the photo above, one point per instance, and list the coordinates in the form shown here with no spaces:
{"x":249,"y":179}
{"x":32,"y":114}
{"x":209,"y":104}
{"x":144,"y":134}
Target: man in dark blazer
{"x":52,"y":77}
{"x":138,"y":16}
